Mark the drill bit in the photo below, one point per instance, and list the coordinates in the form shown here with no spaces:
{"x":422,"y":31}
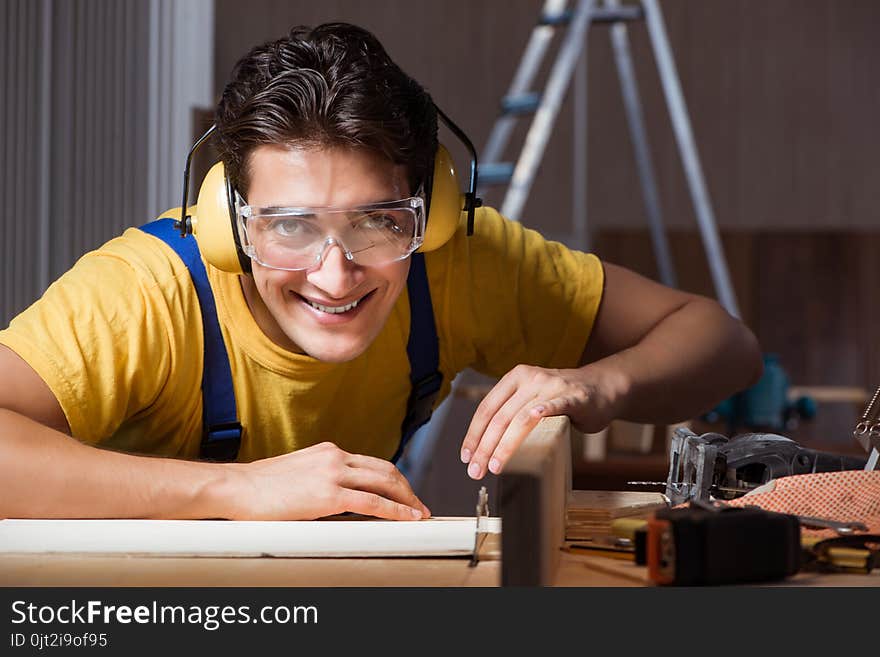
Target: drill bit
{"x":723,"y":489}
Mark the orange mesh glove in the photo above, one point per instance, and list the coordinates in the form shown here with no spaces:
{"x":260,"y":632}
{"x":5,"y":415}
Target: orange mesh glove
{"x":845,"y":496}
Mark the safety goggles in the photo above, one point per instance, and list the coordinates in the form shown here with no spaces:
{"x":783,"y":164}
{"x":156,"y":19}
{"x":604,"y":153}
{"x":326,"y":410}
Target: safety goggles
{"x":294,"y":239}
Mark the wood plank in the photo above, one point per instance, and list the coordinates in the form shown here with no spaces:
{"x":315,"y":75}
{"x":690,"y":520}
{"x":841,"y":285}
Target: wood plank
{"x":534,"y":489}
{"x":612,"y":504}
{"x":832,"y":394}
{"x":591,"y":512}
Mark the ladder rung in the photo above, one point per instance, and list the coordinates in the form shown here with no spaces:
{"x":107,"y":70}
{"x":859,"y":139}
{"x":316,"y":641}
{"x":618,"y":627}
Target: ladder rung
{"x":496,"y":173}
{"x":520,"y":104}
{"x":604,"y":15}
{"x":559,"y":18}
{"x":599,"y":15}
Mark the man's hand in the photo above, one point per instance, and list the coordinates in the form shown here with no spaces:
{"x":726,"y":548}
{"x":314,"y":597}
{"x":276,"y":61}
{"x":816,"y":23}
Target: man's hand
{"x":655,"y":355}
{"x":319,"y":481}
{"x":519,"y":401}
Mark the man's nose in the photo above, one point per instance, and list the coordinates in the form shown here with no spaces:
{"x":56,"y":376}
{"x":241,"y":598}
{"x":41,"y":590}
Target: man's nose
{"x":335,"y":274}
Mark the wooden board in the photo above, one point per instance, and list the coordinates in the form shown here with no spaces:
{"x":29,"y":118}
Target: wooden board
{"x":534,"y":488}
{"x":591,"y":512}
{"x":202,"y":538}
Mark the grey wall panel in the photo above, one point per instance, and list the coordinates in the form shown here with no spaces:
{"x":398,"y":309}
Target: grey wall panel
{"x":181,"y":65}
{"x":20,"y":65}
{"x":99,"y":124}
{"x":73,"y":128}
{"x":90,"y":141}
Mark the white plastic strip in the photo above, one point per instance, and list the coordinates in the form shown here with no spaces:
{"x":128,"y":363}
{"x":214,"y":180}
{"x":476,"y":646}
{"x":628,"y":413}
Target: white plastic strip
{"x":212,"y":538}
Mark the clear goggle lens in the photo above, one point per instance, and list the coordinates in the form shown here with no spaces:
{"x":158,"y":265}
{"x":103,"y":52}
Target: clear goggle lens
{"x":298,"y":238}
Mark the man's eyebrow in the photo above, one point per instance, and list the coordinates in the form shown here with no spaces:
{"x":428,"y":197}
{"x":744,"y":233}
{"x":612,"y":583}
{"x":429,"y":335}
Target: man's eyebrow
{"x":302,"y":209}
{"x":383,"y":199}
{"x":378,"y":201}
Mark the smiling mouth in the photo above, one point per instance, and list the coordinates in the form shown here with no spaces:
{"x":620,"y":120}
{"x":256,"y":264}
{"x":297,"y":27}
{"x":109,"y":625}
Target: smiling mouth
{"x":335,"y":310}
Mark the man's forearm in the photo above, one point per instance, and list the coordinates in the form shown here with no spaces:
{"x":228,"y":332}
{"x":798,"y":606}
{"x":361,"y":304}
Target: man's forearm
{"x":686,"y":364}
{"x":46,"y":474}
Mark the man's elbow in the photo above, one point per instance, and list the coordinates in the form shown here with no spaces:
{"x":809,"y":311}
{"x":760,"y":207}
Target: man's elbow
{"x":748,"y":354}
{"x":742,"y":357}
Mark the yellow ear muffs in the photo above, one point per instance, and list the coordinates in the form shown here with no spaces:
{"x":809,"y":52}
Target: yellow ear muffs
{"x":214,"y":220}
{"x":447,"y":202}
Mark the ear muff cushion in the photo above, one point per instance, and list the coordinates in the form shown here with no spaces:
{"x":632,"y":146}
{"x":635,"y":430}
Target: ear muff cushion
{"x":212,"y":225}
{"x":447,"y":202}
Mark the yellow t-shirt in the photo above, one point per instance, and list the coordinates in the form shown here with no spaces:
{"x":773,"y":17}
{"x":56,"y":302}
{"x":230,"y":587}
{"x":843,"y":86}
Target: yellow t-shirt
{"x":118,"y":340}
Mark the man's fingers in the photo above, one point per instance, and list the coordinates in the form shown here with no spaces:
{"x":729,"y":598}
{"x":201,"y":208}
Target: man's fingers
{"x":371,"y":504}
{"x":495,"y":430}
{"x":517,"y":430}
{"x":525,"y":419}
{"x":384,"y":480}
{"x":551,"y":407}
{"x":497,"y":397}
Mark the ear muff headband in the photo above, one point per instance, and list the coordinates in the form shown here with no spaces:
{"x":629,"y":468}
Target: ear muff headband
{"x":471,"y":200}
{"x":214,"y":222}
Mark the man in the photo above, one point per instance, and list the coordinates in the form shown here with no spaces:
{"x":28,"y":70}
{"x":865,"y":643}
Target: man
{"x":331,"y":151}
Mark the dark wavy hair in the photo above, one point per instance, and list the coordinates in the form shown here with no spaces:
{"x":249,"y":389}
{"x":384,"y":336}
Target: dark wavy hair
{"x":331,"y":85}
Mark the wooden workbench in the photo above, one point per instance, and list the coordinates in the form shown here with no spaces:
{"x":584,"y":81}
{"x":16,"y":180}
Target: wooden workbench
{"x":574,"y":570}
{"x":533,"y":492}
{"x":56,"y":570}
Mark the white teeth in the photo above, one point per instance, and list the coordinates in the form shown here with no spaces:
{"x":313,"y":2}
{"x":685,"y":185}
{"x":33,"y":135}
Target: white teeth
{"x":331,"y":309}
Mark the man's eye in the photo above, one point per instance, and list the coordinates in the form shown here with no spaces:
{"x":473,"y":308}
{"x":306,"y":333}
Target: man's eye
{"x":290,"y":227}
{"x":380,"y":222}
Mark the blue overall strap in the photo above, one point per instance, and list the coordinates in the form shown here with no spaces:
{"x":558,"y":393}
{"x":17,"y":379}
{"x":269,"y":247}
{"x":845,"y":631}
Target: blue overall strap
{"x":423,"y":350}
{"x":221,"y":431}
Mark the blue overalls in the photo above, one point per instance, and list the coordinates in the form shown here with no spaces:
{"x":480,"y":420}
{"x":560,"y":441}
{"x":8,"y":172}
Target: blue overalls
{"x":221,"y":430}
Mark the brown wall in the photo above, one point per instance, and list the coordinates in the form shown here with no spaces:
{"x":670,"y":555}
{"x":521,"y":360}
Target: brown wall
{"x":783,"y":96}
{"x":809,"y":297}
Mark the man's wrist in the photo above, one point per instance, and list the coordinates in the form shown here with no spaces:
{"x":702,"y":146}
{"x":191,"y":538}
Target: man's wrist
{"x":216,"y":494}
{"x":613,"y":383}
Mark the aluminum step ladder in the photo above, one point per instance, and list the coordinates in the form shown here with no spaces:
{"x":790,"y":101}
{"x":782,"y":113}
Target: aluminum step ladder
{"x":519,"y":175}
{"x":521,"y":100}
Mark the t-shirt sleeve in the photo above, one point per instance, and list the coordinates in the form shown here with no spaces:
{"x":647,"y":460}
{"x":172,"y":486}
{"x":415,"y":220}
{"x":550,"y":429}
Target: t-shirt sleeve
{"x":517,"y":298}
{"x":99,"y":338}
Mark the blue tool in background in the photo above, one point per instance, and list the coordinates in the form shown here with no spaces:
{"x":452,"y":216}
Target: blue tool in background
{"x":765,"y":406}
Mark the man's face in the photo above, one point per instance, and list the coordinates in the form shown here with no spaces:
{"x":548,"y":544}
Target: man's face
{"x":284,"y":303}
